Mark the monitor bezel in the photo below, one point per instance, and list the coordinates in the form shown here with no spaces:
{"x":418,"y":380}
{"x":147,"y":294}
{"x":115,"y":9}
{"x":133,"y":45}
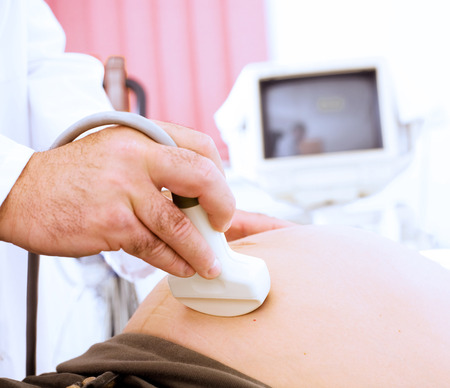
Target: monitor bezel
{"x":271,"y":72}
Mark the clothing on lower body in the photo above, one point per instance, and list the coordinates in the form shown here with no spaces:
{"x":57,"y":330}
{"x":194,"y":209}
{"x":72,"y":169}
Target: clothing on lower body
{"x":138,"y":360}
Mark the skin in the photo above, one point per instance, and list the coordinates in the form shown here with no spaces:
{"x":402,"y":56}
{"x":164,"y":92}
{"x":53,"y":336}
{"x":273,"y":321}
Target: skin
{"x":103,"y":193}
{"x":346,"y":309}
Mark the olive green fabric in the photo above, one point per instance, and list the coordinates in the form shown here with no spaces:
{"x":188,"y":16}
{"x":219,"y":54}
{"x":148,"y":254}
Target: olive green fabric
{"x":137,"y":360}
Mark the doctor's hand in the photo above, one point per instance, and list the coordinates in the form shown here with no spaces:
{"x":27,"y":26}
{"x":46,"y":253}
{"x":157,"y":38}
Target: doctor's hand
{"x":103,"y":193}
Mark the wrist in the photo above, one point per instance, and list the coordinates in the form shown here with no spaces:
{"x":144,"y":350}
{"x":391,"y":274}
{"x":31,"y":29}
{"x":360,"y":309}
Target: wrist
{"x":15,"y":204}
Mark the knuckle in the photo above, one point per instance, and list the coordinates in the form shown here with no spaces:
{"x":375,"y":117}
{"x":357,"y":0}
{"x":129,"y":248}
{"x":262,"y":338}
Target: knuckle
{"x":168,"y":220}
{"x":157,"y":253}
{"x":181,"y":227}
{"x":206,"y":145}
{"x":207,"y":171}
{"x":149,"y":245}
{"x":229,"y":206}
{"x":124,"y":141}
{"x":171,"y":263}
{"x":155,"y":247}
{"x":120,"y":218}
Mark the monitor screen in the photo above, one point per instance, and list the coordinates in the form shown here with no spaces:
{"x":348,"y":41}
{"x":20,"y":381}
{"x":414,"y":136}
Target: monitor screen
{"x":320,"y":114}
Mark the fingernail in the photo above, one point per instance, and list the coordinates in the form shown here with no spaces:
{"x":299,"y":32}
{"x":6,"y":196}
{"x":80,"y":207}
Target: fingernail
{"x":215,"y":270}
{"x":227,"y":226}
{"x":188,"y":271}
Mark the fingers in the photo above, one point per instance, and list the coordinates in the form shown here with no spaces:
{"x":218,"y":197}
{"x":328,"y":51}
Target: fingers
{"x":246,"y":223}
{"x":172,"y":242}
{"x":193,"y":171}
{"x":165,"y":237}
{"x":193,"y":140}
{"x":189,"y":174}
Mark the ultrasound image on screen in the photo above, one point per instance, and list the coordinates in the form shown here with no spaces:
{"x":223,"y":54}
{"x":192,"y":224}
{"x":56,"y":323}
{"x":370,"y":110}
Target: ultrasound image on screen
{"x":320,"y":114}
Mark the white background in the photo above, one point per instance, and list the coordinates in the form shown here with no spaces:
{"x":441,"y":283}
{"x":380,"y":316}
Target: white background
{"x":412,"y":36}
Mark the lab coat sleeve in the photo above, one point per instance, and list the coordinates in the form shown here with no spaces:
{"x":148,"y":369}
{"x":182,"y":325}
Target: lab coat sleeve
{"x":13,"y":158}
{"x":62,"y":87}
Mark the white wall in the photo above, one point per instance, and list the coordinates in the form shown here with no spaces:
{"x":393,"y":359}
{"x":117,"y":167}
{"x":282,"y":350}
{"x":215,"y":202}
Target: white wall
{"x":412,"y":35}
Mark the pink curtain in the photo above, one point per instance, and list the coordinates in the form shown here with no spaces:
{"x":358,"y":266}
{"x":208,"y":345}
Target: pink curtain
{"x":186,"y":53}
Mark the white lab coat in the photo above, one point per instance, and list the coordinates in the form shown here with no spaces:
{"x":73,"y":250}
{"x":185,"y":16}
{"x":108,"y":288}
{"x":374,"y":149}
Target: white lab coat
{"x":42,"y":91}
